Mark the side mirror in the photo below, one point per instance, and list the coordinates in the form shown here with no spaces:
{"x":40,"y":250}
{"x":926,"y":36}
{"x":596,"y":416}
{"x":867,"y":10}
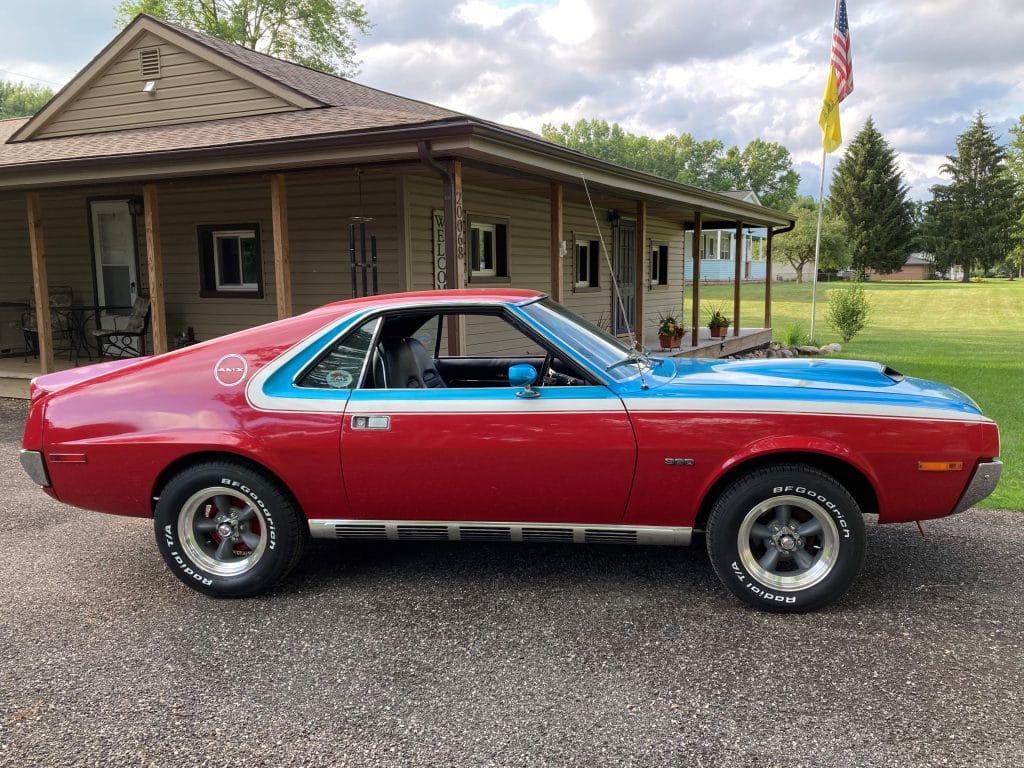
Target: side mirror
{"x":523,"y":375}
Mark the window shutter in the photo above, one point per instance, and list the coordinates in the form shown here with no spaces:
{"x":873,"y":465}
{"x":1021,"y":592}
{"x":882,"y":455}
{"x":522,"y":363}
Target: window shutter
{"x":501,"y":250}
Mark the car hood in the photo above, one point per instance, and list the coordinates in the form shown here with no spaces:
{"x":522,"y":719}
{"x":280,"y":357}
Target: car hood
{"x":858,"y":383}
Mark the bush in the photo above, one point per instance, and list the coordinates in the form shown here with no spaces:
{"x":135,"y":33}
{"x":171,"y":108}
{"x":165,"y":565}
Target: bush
{"x":794,"y":336}
{"x":848,"y":310}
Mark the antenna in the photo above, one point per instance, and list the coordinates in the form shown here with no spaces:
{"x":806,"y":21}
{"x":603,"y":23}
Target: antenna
{"x":611,"y":270}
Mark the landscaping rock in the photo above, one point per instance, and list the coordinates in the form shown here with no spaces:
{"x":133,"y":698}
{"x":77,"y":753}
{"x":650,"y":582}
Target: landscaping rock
{"x":830,"y":349}
{"x":807,"y":349}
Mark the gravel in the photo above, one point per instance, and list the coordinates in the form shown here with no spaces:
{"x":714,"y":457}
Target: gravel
{"x":499,"y":655}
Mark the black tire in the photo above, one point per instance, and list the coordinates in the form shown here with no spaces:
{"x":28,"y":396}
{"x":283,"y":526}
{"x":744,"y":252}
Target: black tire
{"x":227,"y":530}
{"x":786,"y":538}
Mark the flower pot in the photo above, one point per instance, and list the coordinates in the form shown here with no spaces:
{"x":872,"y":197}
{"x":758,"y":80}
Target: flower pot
{"x":719,"y":332}
{"x":668,"y":341}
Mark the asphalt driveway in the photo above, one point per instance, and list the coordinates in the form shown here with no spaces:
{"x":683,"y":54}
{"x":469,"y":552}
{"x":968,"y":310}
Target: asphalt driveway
{"x":503,"y":655}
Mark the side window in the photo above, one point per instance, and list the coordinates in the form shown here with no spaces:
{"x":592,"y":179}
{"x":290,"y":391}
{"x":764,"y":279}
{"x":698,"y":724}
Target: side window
{"x":412,"y":352}
{"x":344,"y":362}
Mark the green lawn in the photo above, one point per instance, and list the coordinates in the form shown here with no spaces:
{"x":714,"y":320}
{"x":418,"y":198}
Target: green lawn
{"x":968,"y":335}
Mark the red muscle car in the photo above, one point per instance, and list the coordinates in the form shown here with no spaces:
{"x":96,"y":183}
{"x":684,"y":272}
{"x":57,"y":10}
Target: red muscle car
{"x":498,"y":415}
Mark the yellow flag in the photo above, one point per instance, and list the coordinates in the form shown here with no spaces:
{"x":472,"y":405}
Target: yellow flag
{"x":828,"y":119}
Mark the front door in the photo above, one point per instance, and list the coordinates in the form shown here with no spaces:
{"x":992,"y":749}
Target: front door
{"x":113,"y":247}
{"x":624,"y":305}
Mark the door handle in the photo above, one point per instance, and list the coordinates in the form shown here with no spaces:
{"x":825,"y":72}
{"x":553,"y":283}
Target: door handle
{"x":371,"y":422}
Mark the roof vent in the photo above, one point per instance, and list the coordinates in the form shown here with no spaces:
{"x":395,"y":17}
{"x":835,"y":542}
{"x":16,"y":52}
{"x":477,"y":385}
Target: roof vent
{"x":149,"y":62}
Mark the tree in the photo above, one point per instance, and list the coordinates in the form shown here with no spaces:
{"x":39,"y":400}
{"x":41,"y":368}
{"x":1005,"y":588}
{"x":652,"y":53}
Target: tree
{"x":797,"y":247}
{"x":20,"y":100}
{"x":867,"y":192}
{"x":974,"y":220}
{"x":315,"y":33}
{"x":762,"y":166}
{"x":1015,"y":164}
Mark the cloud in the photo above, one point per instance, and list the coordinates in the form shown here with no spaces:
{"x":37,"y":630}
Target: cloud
{"x":727,"y":69}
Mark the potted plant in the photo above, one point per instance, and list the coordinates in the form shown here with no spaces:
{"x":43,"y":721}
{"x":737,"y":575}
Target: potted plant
{"x":718,"y":322}
{"x":670,"y":331}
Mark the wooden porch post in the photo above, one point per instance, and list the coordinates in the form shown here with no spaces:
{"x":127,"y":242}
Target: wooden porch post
{"x":155,"y":268}
{"x":768,"y":281}
{"x":40,"y":283}
{"x":739,"y":279}
{"x":640,"y":272}
{"x":282,"y":257}
{"x":557,"y":243}
{"x":455,"y":248}
{"x":695,"y":317}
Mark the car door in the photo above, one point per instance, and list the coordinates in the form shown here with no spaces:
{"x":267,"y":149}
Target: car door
{"x":488,"y":453}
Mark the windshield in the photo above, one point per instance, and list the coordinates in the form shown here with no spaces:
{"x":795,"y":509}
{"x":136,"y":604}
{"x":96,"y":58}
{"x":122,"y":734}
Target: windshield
{"x":585,"y":340}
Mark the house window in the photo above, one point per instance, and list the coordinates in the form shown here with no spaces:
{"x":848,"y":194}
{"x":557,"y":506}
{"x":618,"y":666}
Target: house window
{"x":231,"y":265}
{"x":724,"y":246}
{"x":488,"y":249}
{"x":659,"y":264}
{"x":588,"y":263}
{"x":710,"y":249}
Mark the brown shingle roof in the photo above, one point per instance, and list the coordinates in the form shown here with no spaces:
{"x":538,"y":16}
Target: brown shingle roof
{"x":212,"y":133}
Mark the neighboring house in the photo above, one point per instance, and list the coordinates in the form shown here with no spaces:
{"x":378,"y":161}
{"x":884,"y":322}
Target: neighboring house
{"x":919,"y":266}
{"x":232,"y":188}
{"x":718,"y":249}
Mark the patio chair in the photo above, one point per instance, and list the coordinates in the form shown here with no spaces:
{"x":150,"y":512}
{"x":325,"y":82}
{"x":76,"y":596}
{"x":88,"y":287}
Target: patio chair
{"x":61,"y":299}
{"x":128,"y":336}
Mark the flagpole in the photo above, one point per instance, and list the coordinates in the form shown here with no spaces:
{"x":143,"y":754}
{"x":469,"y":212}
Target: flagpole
{"x":821,"y":200}
{"x":817,"y":243}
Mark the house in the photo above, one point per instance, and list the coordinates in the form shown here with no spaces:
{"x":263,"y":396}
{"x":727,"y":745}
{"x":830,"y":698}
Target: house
{"x":919,"y":266}
{"x":232,"y":189}
{"x":721,"y":248}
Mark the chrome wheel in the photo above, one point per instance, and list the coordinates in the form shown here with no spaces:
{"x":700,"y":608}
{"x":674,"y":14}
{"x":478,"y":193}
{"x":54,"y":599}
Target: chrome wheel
{"x":788,"y":543}
{"x":222,"y":532}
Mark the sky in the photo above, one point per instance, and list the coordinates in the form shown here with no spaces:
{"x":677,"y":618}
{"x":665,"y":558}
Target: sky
{"x":734,"y":70}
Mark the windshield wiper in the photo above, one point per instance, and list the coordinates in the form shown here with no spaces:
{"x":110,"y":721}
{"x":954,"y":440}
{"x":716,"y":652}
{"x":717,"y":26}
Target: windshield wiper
{"x":637,"y":358}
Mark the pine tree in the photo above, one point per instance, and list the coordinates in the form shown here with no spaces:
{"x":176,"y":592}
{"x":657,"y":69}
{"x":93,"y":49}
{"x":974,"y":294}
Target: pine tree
{"x":868,"y":194}
{"x":972,"y":221}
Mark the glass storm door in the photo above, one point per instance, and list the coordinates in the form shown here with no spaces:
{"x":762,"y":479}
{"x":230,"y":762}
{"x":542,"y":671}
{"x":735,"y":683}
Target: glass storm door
{"x":625,"y":276}
{"x":113,"y":236}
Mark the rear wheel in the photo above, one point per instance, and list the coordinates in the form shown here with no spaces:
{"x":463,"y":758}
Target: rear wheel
{"x":787,"y":538}
{"x":227,"y":530}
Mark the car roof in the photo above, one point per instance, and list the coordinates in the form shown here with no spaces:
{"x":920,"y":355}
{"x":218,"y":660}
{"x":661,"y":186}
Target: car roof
{"x":440,"y":298}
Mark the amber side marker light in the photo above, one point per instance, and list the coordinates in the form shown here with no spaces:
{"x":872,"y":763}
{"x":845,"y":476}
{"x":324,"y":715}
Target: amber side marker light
{"x":940,"y":466}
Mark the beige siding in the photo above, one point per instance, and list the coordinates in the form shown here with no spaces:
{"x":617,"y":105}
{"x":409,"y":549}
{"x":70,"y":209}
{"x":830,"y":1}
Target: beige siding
{"x":182,"y":210}
{"x":667,"y":299}
{"x":15,"y":260}
{"x":189,"y":89}
{"x":529,"y":238}
{"x":15,"y":269}
{"x":320,"y":212}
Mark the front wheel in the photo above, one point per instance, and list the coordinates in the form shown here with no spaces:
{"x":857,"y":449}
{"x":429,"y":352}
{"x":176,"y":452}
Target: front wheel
{"x":227,"y":530}
{"x":786,"y":538}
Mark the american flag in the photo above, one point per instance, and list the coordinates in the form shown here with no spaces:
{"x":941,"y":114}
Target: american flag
{"x":841,"y":59}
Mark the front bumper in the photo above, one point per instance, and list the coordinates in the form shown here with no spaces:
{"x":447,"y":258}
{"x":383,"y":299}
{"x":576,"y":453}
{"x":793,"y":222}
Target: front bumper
{"x":33,"y":464}
{"x":984,"y":481}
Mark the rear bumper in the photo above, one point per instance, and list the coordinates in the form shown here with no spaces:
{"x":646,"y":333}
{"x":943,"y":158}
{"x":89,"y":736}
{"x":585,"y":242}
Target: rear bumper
{"x":34,"y":465}
{"x":984,"y":481}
